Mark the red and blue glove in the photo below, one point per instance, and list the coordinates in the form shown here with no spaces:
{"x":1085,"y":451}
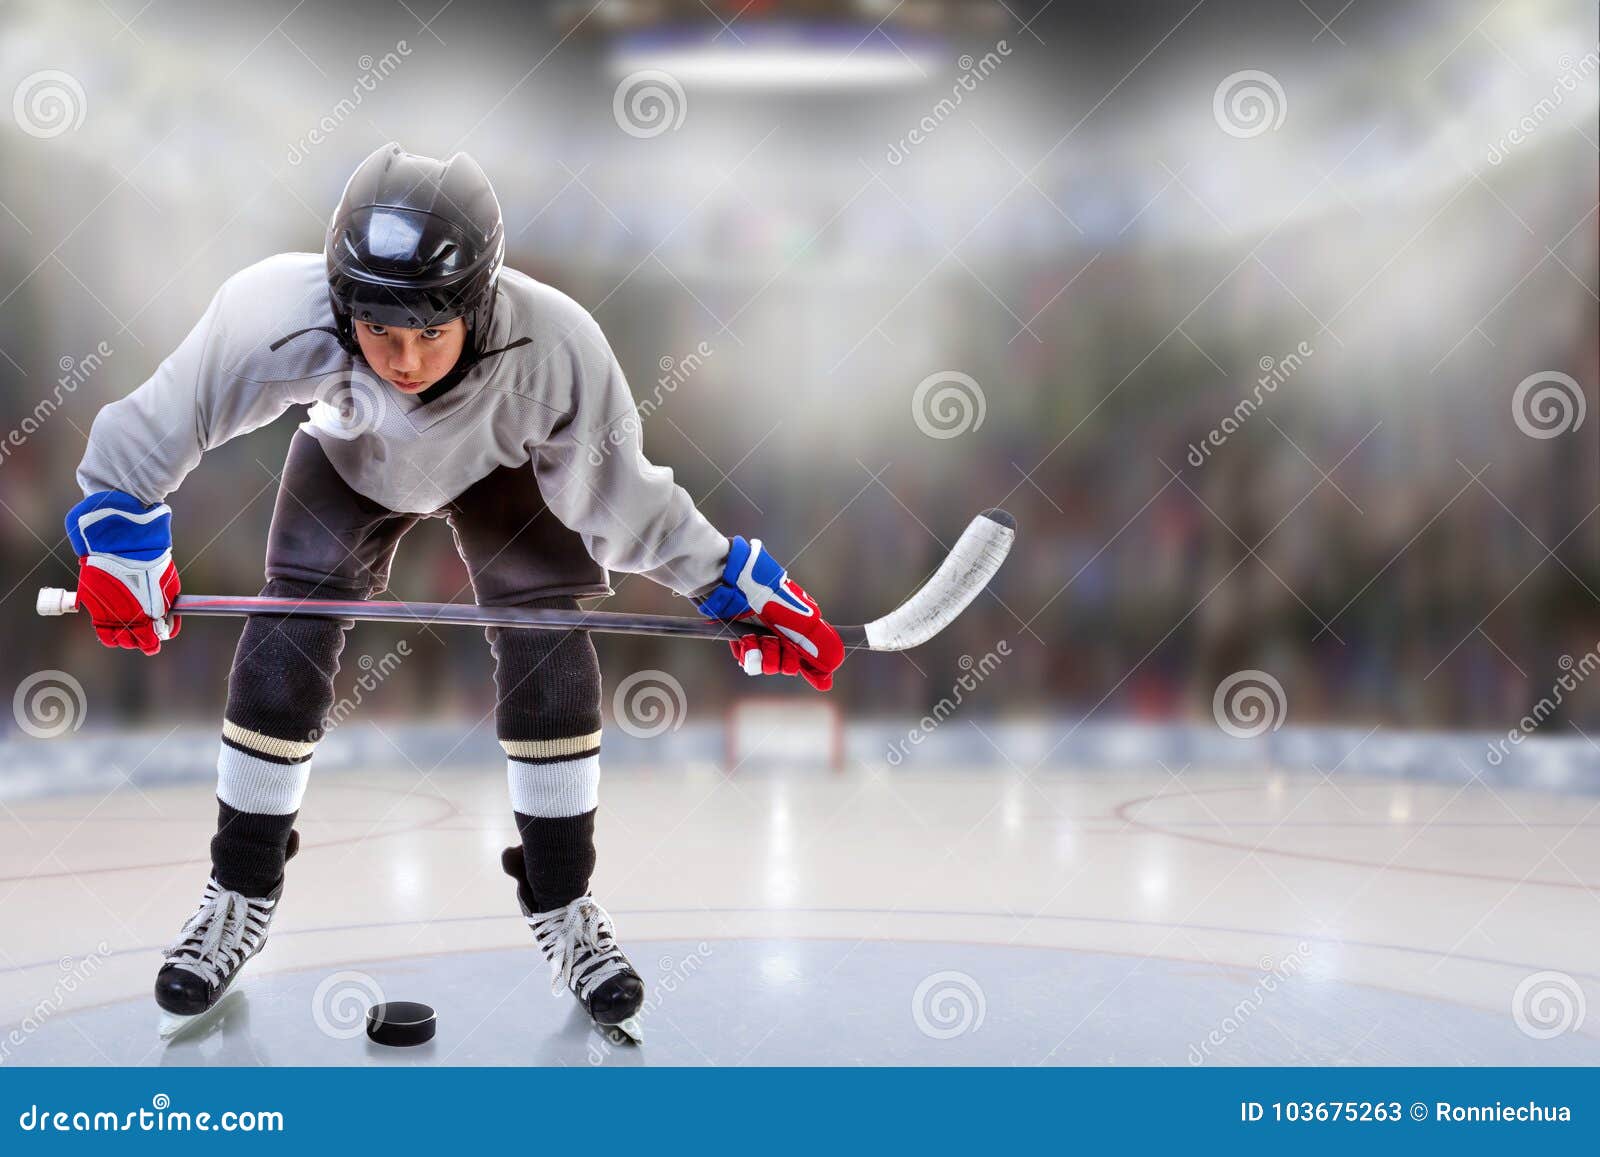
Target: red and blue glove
{"x":126,"y":578}
{"x":754,"y":586}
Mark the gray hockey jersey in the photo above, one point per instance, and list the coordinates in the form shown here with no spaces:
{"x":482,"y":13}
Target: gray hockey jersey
{"x":560,"y":402}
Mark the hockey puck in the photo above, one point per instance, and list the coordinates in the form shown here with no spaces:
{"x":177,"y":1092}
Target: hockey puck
{"x":401,"y":1023}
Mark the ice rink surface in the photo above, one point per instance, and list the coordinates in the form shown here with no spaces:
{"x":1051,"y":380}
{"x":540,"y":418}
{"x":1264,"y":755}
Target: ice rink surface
{"x":796,"y":915}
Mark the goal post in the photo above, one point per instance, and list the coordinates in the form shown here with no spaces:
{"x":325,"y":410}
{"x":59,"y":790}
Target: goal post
{"x":792,"y":730}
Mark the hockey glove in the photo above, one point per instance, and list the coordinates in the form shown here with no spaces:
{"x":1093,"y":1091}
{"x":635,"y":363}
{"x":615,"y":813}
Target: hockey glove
{"x":126,"y":578}
{"x":754,"y":586}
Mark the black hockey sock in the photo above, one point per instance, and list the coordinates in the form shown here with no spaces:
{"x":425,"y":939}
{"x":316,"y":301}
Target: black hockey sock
{"x":249,"y":850}
{"x":559,"y":856}
{"x":548,"y":721}
{"x":281,"y":685}
{"x":547,"y":683}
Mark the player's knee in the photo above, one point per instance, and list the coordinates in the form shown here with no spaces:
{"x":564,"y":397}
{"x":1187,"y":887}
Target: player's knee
{"x":547,"y":682}
{"x":281,"y":684}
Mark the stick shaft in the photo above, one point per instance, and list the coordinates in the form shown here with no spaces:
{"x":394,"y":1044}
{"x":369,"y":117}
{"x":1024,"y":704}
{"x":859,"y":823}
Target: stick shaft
{"x":971,"y":563}
{"x":467,"y":615}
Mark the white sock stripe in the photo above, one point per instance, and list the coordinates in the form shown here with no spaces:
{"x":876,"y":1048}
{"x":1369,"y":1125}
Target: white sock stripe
{"x":248,"y":784}
{"x":554,"y":790}
{"x":547,"y":748}
{"x":267,"y":744}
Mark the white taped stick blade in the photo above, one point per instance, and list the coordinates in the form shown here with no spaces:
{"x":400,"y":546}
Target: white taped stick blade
{"x":966,"y":570}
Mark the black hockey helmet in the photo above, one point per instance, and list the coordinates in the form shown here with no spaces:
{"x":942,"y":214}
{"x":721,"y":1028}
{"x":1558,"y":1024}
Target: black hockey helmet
{"x":414,"y":243}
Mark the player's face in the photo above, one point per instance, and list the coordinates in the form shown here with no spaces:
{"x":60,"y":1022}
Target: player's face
{"x":411,"y":360}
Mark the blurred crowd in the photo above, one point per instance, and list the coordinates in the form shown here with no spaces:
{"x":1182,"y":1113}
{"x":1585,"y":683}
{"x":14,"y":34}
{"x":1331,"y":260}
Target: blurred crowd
{"x":895,"y":348}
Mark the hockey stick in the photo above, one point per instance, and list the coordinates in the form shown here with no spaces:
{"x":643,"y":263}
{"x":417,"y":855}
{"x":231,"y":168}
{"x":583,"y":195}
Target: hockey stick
{"x":965,"y":571}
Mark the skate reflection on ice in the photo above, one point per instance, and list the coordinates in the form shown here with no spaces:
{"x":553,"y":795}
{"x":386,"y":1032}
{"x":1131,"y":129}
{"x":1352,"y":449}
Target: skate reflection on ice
{"x":602,"y":1046}
{"x":222,"y":1036}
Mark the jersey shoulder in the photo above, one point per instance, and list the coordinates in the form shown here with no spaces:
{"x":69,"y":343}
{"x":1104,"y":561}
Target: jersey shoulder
{"x":566,"y":356}
{"x":549,"y":318}
{"x":275,"y":320}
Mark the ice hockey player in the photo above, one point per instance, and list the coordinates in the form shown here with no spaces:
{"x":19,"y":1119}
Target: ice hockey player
{"x":441,"y":384}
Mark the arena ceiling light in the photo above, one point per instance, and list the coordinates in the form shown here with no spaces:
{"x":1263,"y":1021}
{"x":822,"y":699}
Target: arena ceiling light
{"x":790,"y":58}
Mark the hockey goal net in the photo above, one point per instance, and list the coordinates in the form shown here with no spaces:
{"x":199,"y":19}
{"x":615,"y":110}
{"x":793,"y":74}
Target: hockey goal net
{"x":785,"y":730}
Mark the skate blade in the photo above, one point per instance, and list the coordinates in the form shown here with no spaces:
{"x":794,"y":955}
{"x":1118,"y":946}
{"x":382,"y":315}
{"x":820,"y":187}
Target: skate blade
{"x":625,"y":1031}
{"x":173,"y":1025}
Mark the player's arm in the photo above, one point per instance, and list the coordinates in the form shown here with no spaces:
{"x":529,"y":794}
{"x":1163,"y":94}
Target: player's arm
{"x":140,"y":448}
{"x":633,"y":517}
{"x":593,"y":475}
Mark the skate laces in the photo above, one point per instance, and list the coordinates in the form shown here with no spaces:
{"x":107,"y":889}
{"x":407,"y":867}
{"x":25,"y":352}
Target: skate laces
{"x":216,"y":934}
{"x":580,"y":943}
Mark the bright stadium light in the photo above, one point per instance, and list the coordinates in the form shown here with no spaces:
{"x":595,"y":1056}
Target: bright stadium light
{"x":781,"y":59}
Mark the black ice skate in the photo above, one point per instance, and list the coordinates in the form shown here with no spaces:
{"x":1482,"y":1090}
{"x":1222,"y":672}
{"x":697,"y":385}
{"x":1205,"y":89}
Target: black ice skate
{"x":581,"y":946}
{"x":226,"y":930}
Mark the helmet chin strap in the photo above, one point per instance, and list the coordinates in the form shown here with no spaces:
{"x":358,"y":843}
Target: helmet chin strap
{"x":451,"y":380}
{"x":287,"y":338}
{"x":470,"y":357}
